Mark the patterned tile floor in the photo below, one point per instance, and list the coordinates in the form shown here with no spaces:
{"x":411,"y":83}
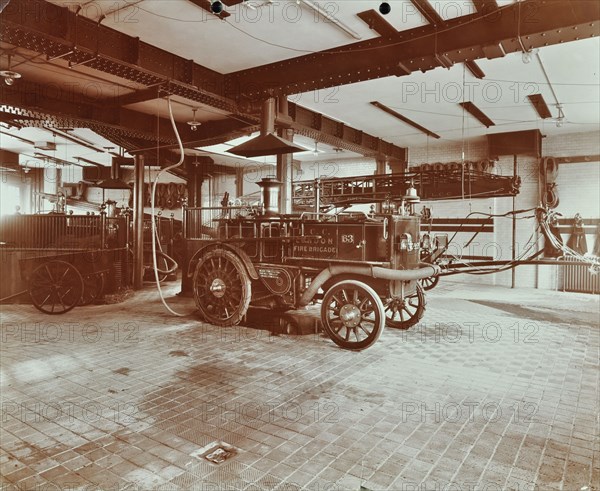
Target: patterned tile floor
{"x":496,"y":389}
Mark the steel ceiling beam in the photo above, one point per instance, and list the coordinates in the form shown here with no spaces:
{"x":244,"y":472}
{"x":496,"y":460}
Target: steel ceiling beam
{"x":485,"y":6}
{"x":427,"y":11}
{"x":58,"y":32}
{"x":477,"y":113}
{"x":376,"y":22}
{"x":459,"y":40}
{"x":31,"y":104}
{"x":314,"y":125}
{"x":404,"y":119}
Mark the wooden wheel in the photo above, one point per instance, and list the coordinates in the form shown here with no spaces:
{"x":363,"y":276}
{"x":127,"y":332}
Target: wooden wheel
{"x":402,"y":313}
{"x":93,"y":288}
{"x":222,"y":288}
{"x":55,"y":287}
{"x":352,"y":315}
{"x":429,"y":283}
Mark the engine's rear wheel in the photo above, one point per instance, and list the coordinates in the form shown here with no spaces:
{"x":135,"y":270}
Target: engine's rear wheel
{"x":222,"y":288}
{"x":352,"y":315}
{"x":429,"y":283}
{"x":402,"y":313}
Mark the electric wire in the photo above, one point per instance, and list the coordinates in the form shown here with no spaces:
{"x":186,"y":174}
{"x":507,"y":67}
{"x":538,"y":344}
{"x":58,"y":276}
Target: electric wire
{"x":333,"y":51}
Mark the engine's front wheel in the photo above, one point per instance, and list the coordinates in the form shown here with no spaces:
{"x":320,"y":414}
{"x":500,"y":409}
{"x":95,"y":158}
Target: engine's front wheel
{"x":222,"y":288}
{"x":352,"y":315}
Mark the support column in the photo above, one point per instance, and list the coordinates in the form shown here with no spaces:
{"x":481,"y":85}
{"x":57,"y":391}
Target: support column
{"x":513,"y":272}
{"x":138,"y":223}
{"x":195,"y":178}
{"x":284,"y":164}
{"x":397,"y":166}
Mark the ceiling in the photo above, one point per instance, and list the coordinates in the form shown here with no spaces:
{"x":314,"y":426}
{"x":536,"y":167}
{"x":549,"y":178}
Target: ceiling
{"x":258,"y":32}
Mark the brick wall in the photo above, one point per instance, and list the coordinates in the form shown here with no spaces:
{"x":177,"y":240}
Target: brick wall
{"x":578,"y":186}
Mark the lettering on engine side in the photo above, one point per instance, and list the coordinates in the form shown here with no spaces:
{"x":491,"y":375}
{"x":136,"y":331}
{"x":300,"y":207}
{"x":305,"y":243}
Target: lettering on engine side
{"x":323,"y":247}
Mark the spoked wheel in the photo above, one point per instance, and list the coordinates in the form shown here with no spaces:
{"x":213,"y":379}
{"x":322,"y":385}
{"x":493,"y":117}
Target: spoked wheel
{"x":429,"y":283}
{"x":222,"y":288}
{"x":93,"y":288}
{"x":352,"y":315}
{"x":55,"y":287}
{"x":402,"y":313}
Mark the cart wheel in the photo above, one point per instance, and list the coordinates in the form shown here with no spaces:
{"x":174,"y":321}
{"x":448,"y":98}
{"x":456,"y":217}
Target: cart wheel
{"x":222,"y":288}
{"x":55,"y":287}
{"x":429,"y":283}
{"x":93,"y":288}
{"x":352,"y":315}
{"x":406,"y":312}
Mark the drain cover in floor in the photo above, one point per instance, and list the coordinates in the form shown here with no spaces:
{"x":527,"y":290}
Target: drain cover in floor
{"x":216,"y":452}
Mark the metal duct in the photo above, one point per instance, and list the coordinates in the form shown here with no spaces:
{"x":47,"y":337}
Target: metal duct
{"x":115,"y":181}
{"x":267,"y":143}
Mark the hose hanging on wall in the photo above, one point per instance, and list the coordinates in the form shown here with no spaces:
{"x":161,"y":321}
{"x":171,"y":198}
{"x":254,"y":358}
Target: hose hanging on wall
{"x":548,"y":175}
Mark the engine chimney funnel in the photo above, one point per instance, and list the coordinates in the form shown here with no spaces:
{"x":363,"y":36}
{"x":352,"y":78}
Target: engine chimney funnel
{"x":270,"y":188}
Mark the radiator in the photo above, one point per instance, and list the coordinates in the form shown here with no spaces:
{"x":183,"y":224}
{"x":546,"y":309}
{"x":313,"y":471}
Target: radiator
{"x":577,"y":277}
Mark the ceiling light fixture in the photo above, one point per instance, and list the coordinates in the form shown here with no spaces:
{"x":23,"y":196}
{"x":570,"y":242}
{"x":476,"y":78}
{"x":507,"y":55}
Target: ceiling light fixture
{"x":560,"y":119}
{"x":528,"y":54}
{"x":316,"y":150}
{"x":216,"y":7}
{"x":385,"y":8}
{"x":9,"y":75}
{"x":194,"y":124}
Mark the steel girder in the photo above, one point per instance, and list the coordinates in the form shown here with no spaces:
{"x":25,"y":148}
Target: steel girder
{"x":31,"y":102}
{"x":54,"y":31}
{"x":327,"y":130}
{"x":467,"y":38}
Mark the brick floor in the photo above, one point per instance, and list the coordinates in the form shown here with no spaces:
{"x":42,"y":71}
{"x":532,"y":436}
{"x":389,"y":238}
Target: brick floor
{"x":496,"y":389}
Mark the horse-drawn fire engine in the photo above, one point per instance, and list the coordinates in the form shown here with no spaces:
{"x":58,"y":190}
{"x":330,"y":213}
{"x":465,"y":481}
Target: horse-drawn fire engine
{"x":364,"y":267}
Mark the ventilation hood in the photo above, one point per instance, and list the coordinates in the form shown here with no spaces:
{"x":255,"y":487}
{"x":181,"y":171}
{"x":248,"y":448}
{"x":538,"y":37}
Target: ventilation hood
{"x":115,"y":181}
{"x":267,"y":143}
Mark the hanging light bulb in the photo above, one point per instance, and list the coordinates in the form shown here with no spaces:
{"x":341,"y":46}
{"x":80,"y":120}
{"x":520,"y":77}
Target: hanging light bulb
{"x":560,"y":119}
{"x":316,"y":150}
{"x":194,"y":124}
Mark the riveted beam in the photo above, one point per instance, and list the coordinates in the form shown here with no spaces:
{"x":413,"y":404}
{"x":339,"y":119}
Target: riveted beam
{"x":31,"y":104}
{"x":53,"y":30}
{"x":485,"y":6}
{"x":58,"y":32}
{"x":377,"y":23}
{"x":456,"y":40}
{"x":428,"y":11}
{"x":327,"y":130}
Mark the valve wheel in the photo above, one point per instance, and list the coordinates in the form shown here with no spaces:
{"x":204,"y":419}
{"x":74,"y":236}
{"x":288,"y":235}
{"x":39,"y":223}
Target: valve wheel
{"x":352,"y":315}
{"x":222,"y":288}
{"x":402,"y":313}
{"x":429,"y":283}
{"x":55,"y":287}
